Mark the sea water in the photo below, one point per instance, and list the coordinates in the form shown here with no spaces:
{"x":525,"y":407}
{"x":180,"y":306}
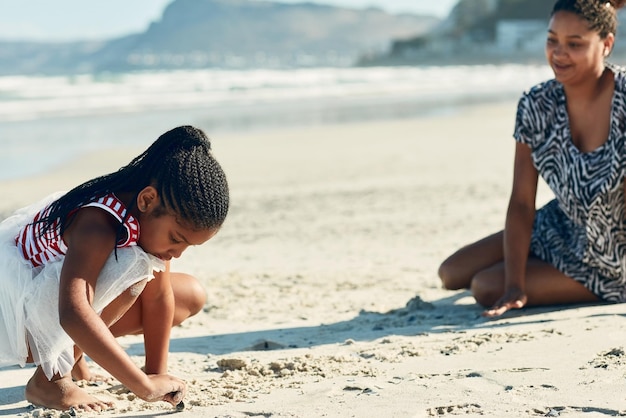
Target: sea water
{"x":47,"y":120}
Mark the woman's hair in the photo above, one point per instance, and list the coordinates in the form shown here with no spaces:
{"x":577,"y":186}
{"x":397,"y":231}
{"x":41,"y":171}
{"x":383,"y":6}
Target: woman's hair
{"x":601,"y":14}
{"x":179,"y":164}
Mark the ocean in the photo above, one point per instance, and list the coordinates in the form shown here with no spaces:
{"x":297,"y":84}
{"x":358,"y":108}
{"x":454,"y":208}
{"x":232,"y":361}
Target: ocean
{"x":47,"y":120}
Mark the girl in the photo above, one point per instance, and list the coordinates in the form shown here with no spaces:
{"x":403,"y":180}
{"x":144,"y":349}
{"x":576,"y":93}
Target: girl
{"x":570,"y":130}
{"x":81,"y":268}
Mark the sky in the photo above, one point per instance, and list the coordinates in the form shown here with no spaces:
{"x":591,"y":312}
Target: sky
{"x":67,"y":20}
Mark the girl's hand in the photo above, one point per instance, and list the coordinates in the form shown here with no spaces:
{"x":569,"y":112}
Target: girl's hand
{"x":513,"y":298}
{"x":165,"y":388}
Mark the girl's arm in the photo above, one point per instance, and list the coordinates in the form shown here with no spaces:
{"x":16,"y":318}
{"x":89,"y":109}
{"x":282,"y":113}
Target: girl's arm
{"x":157,"y":311}
{"x":90,"y":239}
{"x":517,"y":231}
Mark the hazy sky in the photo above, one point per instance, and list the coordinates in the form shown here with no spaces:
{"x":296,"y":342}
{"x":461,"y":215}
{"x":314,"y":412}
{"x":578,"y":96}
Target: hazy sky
{"x":61,"y":20}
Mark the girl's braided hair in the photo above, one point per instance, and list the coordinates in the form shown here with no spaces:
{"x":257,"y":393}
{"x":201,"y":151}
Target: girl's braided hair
{"x":179,"y":164}
{"x":600,"y":14}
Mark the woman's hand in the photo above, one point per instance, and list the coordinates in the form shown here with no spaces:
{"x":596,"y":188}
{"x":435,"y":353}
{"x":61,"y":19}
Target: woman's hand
{"x":513,"y":298}
{"x":165,"y":388}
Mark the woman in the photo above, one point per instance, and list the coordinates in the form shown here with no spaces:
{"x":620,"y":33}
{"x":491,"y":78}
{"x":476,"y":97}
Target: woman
{"x":569,"y":130}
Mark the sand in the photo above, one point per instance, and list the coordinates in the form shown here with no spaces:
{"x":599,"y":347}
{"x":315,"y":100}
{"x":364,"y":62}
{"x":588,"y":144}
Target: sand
{"x":323,"y":295}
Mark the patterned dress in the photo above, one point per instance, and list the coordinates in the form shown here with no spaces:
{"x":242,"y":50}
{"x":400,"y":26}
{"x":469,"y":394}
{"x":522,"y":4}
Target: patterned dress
{"x":582,"y":231}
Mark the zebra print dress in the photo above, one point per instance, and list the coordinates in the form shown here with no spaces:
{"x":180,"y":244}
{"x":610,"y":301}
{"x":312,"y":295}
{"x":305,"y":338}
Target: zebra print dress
{"x":582,"y":231}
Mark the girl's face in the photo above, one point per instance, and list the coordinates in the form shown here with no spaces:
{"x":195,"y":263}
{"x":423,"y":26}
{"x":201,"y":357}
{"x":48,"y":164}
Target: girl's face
{"x":161,"y":234}
{"x":575,"y":52}
{"x":164,"y":237}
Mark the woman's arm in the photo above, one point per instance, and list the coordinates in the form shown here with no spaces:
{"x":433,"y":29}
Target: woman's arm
{"x":517,"y":231}
{"x":157,"y":311}
{"x":90,"y":239}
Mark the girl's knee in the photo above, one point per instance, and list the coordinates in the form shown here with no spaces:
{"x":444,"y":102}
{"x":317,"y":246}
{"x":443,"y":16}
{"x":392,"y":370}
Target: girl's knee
{"x":191,"y":294}
{"x":199,"y":298}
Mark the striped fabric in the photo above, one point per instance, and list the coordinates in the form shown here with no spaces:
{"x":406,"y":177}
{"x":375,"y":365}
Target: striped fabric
{"x":40,"y":249}
{"x":582,"y":232}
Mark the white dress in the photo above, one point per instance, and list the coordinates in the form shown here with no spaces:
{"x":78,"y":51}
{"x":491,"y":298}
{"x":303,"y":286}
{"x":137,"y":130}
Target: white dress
{"x":29,"y":296}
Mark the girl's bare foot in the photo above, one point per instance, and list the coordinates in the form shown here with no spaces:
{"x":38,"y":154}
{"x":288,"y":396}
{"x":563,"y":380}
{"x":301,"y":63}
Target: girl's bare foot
{"x":61,"y":393}
{"x":81,"y":371}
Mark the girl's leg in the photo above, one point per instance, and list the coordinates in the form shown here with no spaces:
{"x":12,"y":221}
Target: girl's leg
{"x":60,"y":393}
{"x":458,"y":270}
{"x":545,"y":285}
{"x":123,"y":315}
{"x":189,"y":297}
{"x":110,"y":315}
{"x":81,"y":370}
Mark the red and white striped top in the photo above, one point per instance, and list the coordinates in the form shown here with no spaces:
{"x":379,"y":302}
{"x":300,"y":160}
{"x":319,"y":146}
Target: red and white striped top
{"x":40,"y":249}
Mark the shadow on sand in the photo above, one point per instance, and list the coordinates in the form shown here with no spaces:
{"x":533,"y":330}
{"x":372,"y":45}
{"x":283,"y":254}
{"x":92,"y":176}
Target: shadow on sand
{"x":416,"y":318}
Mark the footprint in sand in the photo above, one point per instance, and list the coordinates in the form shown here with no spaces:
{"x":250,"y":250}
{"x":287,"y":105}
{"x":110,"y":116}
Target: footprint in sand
{"x":468,"y":408}
{"x":473,"y":342}
{"x":613,"y":358}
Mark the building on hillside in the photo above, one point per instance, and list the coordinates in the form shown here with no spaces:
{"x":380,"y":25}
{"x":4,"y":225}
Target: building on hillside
{"x":521,"y":35}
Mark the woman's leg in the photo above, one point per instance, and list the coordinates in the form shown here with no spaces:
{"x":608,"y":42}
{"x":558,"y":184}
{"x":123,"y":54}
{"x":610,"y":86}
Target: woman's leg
{"x":480,"y":267}
{"x":545,"y":285}
{"x":458,"y":270}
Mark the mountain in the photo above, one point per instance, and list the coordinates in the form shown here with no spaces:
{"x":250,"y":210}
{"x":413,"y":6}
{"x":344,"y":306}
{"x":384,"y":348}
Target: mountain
{"x":226,"y":33}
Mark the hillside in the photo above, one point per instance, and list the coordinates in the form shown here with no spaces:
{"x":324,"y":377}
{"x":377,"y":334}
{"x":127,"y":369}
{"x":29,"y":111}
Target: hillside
{"x":468,"y":34}
{"x":226,"y":33}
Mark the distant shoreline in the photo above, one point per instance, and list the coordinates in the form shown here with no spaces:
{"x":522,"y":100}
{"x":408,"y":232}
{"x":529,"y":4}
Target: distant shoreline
{"x":134,"y":128}
{"x":91,"y":113}
{"x":469,"y":58}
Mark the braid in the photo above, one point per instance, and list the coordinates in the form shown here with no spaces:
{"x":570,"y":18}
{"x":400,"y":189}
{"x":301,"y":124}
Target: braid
{"x":600,"y":14}
{"x":179,"y":164}
{"x":191,"y":182}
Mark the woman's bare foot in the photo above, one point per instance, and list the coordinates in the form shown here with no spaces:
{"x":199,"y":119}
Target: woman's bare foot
{"x":81,"y":371}
{"x":61,"y":393}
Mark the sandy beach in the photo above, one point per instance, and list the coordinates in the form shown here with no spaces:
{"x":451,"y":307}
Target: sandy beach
{"x":324,"y":299}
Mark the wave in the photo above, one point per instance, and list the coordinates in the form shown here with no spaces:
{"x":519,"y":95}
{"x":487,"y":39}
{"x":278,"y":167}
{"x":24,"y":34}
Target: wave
{"x":45,"y":121}
{"x":27,"y":98}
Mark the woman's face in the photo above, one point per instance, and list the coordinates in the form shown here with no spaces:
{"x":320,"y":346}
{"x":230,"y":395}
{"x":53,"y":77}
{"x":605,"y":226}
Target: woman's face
{"x":575,"y":52}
